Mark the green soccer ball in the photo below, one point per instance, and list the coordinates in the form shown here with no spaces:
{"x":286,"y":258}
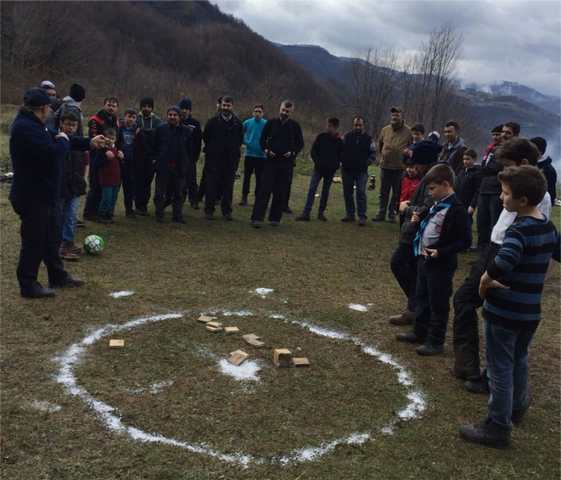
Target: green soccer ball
{"x":94,"y":244}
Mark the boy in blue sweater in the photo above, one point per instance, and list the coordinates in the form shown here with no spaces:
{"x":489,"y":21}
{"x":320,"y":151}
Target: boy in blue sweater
{"x":254,"y":154}
{"x":511,"y":288}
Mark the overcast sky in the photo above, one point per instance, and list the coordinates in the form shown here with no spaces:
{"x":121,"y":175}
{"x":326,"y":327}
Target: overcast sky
{"x":503,"y":39}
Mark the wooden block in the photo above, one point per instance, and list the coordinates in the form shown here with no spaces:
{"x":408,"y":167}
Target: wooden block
{"x":253,"y":340}
{"x":116,"y":343}
{"x":214,"y":324}
{"x":213,"y":329}
{"x":231,"y":329}
{"x":238,"y":357}
{"x":300,"y":362}
{"x":282,"y":357}
{"x":205,"y":318}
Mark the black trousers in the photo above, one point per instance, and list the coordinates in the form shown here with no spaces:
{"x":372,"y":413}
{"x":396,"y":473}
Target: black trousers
{"x":191,"y":186}
{"x":466,"y":303}
{"x":220,"y":185}
{"x":41,"y":235}
{"x":127,"y":179}
{"x":289,"y":190}
{"x":252,"y":165}
{"x":169,"y":185}
{"x":276,"y":183}
{"x":404,"y":267}
{"x":143,"y":177}
{"x":489,"y":208}
{"x":390,"y":181}
{"x":93,"y":198}
{"x":434,"y":289}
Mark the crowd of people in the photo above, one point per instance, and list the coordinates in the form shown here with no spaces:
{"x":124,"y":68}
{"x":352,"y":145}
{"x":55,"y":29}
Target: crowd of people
{"x":434,"y":190}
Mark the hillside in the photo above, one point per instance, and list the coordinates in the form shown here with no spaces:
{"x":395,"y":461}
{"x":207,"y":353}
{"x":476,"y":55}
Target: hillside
{"x":163,"y":49}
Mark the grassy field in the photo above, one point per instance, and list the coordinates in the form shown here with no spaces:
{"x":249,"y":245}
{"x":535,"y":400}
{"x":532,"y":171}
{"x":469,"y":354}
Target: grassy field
{"x":167,"y":379}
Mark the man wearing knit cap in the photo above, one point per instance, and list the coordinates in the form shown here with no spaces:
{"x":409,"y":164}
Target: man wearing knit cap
{"x":186,"y":107}
{"x":144,"y":157}
{"x":172,"y":150}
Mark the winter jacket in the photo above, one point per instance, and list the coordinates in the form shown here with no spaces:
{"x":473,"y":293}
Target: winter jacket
{"x":223,"y":140}
{"x":37,"y":161}
{"x":252,"y":137}
{"x":282,"y":137}
{"x":490,"y":168}
{"x":326,"y":152}
{"x":73,"y":182}
{"x":453,"y":155}
{"x":408,"y":187}
{"x":420,"y":202}
{"x":358,"y":151}
{"x":467,"y":185}
{"x":172,"y":149}
{"x":391,"y":143}
{"x":550,"y":175}
{"x":144,"y":141}
{"x":128,"y":137}
{"x":196,"y":137}
{"x":109,"y":171}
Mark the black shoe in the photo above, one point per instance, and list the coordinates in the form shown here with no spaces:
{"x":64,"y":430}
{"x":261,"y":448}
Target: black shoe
{"x":195,"y":206}
{"x":479,"y":385}
{"x":391,"y":218}
{"x":274,"y":223}
{"x":303,"y":218}
{"x":228,"y":217}
{"x":405,"y":318}
{"x":465,"y":374}
{"x":130,"y":214}
{"x":408,"y":337}
{"x":518,"y":415}
{"x":348,"y":219}
{"x":362,"y":222}
{"x":68,"y":282}
{"x":178,"y":220}
{"x":288,"y":211}
{"x":37,"y":291}
{"x":80,"y":224}
{"x":142,"y":212}
{"x":322,"y":217}
{"x":256,"y":224}
{"x":486,"y":433}
{"x":428,"y":350}
{"x":379,"y":218}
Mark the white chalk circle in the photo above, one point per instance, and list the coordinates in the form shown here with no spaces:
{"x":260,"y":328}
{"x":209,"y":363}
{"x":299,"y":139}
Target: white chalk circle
{"x":111,"y":419}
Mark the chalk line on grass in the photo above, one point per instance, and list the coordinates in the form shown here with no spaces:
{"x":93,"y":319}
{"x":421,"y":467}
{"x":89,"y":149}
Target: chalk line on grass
{"x":44,"y":406}
{"x":121,"y":294}
{"x":111,"y":418}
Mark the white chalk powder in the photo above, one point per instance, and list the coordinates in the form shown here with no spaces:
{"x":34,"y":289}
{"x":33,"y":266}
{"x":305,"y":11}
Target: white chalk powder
{"x":263,"y":292}
{"x":357,"y":307}
{"x":121,"y":294}
{"x":246,"y":371}
{"x":44,"y":406}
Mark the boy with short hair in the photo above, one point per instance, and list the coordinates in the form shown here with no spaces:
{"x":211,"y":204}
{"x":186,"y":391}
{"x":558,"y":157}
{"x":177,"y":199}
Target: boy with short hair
{"x":442,"y":233}
{"x":128,"y":135}
{"x":511,"y":288}
{"x":326,"y":153}
{"x":545,"y":165}
{"x":468,"y":181}
{"x":109,"y":178}
{"x":73,"y":186}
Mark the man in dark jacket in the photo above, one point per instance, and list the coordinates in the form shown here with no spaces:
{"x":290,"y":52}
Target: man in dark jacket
{"x":105,"y":118}
{"x":454,"y":149}
{"x":186,"y":108}
{"x":144,"y":157}
{"x":468,"y":181}
{"x":403,"y":262}
{"x":37,"y":159}
{"x":223,"y":137}
{"x":281,"y":140}
{"x":358,"y":153}
{"x":172,"y":148}
{"x":326,"y":153}
{"x":546,"y":167}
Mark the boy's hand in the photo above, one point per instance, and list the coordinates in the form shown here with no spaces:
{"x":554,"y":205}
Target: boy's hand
{"x":415,"y":218}
{"x":110,"y":155}
{"x":430,"y":253}
{"x":62,"y":135}
{"x":486,"y":283}
{"x":403,"y":206}
{"x":471,"y":211}
{"x":99,"y":141}
{"x":120,"y":155}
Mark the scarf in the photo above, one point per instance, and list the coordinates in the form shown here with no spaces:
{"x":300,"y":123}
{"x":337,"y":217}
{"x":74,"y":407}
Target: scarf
{"x":437,"y":207}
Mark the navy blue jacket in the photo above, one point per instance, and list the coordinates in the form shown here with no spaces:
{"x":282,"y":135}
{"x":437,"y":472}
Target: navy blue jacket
{"x":223,"y":140}
{"x":37,"y":161}
{"x":357,"y":151}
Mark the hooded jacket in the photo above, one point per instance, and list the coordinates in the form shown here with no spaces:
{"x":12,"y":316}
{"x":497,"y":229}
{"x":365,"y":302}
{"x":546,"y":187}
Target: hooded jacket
{"x":550,"y":175}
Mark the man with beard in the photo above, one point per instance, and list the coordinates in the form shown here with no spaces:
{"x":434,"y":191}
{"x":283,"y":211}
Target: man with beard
{"x":105,"y":118}
{"x":172,"y":148}
{"x":281,"y":141}
{"x":144,"y":158}
{"x":223,"y":136}
{"x":453,"y":151}
{"x":186,"y":107}
{"x":394,"y":138}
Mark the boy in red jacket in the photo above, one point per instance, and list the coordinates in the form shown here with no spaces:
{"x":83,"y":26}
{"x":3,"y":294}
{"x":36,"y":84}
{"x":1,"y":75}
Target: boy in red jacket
{"x":409,"y":184}
{"x":109,"y":179}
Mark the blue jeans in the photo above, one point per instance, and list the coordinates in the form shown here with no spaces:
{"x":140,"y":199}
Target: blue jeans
{"x":108,"y":201}
{"x":317,"y":176}
{"x":350,"y":179}
{"x":507,"y":369}
{"x":69,"y":212}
